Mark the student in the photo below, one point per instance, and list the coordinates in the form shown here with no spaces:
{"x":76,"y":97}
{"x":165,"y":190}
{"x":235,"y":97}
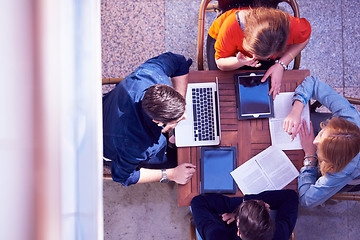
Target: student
{"x":220,"y":217}
{"x":254,"y":37}
{"x":336,"y":147}
{"x":144,"y":105}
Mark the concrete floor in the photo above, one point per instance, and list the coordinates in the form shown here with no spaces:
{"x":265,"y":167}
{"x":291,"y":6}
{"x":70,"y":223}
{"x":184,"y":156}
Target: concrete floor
{"x":134,"y":31}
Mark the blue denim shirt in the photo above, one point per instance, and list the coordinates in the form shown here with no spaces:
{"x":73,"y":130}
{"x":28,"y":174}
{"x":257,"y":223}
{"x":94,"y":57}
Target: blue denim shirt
{"x":130,"y":136}
{"x":314,"y":190}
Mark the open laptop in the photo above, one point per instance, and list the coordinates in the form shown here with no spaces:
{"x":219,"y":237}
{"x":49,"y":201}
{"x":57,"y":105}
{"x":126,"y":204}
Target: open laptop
{"x":202,"y":124}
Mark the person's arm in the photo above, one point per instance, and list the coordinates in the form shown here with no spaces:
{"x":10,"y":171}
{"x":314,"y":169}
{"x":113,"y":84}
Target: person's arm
{"x":170,"y":64}
{"x":180,"y":174}
{"x":207,"y":211}
{"x":235,"y":62}
{"x":314,"y":191}
{"x":292,"y":122}
{"x":312,"y":87}
{"x":180,"y":83}
{"x":285,"y":202}
{"x":276,"y":71}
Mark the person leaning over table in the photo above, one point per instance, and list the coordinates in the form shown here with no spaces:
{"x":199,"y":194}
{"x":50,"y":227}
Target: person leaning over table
{"x":254,"y":37}
{"x":144,"y":105}
{"x":336,"y":147}
{"x":221,"y":217}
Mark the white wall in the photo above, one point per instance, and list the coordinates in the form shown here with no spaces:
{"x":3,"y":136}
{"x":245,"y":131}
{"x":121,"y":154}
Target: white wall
{"x":50,"y":130}
{"x":16,"y":135}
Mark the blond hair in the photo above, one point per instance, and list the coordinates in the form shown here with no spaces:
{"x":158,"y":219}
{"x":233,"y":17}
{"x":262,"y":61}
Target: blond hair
{"x":266,"y":31}
{"x":339,"y":147}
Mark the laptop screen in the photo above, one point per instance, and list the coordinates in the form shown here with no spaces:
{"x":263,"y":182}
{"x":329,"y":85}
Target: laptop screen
{"x":216,"y":165}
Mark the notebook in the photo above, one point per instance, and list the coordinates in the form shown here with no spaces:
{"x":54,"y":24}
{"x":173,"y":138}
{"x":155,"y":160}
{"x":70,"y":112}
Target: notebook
{"x":252,"y":96}
{"x":202,"y":124}
{"x":216,"y":165}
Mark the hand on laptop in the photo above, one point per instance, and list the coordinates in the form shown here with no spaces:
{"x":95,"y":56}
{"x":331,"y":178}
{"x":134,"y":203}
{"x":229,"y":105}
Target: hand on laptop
{"x":182,"y":173}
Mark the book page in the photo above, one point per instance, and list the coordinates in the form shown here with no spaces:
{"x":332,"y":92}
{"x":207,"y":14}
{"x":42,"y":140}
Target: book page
{"x":277,"y":166}
{"x":250,"y":179}
{"x":282,"y":107}
{"x":269,"y":170}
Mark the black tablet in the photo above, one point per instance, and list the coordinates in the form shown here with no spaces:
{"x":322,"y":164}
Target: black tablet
{"x":216,"y":165}
{"x":252,"y":96}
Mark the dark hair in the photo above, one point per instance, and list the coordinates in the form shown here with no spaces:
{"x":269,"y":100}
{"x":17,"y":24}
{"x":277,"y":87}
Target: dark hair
{"x":253,"y":221}
{"x":163,"y":103}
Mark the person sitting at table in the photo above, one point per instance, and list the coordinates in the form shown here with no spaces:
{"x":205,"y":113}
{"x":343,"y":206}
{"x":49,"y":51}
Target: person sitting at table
{"x":144,"y":105}
{"x":221,"y":217}
{"x":337,"y":145}
{"x":254,"y":37}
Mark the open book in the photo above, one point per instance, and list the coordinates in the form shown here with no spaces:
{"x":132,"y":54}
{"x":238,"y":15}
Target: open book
{"x":282,"y":107}
{"x":269,"y":170}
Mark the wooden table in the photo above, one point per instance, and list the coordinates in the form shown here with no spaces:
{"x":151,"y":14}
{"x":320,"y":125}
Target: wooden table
{"x":249,"y":136}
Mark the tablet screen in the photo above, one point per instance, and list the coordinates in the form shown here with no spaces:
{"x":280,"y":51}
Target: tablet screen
{"x":254,"y":95}
{"x":217,"y":163}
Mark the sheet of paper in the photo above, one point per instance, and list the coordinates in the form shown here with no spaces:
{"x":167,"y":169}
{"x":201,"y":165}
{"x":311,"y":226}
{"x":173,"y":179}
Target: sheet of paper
{"x":282,"y":107}
{"x":269,"y":170}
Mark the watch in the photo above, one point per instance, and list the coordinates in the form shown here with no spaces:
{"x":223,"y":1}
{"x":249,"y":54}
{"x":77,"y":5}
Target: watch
{"x":164,"y":178}
{"x":308,"y":162}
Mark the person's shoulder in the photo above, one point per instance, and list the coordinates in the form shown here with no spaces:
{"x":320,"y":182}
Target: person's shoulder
{"x":297,"y":24}
{"x":223,"y":23}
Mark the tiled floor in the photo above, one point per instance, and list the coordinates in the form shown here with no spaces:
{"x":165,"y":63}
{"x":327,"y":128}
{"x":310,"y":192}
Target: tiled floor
{"x":134,"y":31}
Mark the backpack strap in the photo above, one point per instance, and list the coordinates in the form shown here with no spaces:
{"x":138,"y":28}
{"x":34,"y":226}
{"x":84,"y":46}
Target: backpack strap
{"x":241,"y":24}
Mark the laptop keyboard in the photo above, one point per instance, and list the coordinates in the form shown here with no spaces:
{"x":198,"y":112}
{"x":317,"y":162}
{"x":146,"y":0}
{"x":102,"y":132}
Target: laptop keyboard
{"x":203,"y":114}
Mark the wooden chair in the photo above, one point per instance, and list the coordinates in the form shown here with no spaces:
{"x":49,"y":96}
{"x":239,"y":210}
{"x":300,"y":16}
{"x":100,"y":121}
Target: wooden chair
{"x":111,"y":80}
{"x":205,"y":6}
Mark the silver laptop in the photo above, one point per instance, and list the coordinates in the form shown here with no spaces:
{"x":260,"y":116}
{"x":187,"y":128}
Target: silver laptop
{"x":202,"y":124}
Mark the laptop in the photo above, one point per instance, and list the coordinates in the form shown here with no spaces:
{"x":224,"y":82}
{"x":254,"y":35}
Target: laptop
{"x":202,"y":124}
{"x":252,"y":98}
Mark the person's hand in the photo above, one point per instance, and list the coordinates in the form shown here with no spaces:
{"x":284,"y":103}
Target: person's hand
{"x":244,"y":60}
{"x":307,"y":139}
{"x":292,"y":123}
{"x":182,"y":173}
{"x":276,"y":72}
{"x":169,"y":127}
{"x":228,"y":217}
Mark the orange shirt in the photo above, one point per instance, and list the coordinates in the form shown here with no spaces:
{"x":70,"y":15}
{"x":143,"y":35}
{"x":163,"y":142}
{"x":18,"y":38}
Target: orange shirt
{"x":229,"y":35}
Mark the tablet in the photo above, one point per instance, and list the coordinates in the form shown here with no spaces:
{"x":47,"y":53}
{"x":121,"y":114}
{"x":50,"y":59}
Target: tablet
{"x":216,"y":165}
{"x":252,"y":96}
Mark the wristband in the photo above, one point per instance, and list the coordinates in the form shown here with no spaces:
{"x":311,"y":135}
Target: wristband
{"x":311,"y":156}
{"x":310,"y":163}
{"x":282,"y":64}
